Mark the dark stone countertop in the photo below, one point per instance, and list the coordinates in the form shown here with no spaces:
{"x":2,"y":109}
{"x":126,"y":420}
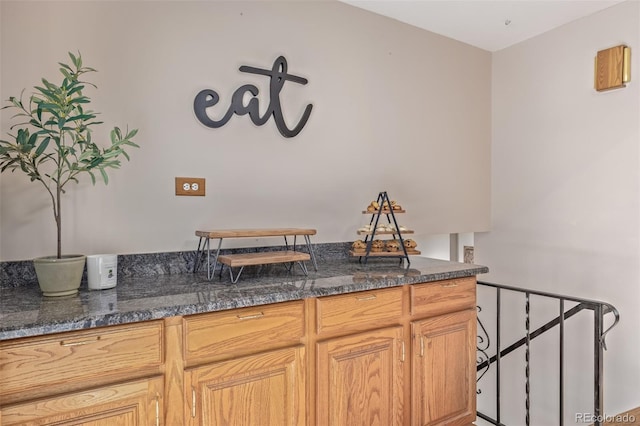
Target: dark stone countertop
{"x":24,"y":312}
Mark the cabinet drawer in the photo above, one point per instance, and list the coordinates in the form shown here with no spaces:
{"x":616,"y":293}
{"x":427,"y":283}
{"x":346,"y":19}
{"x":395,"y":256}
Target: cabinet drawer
{"x":66,"y":359}
{"x":443,"y":296}
{"x":359,"y":311}
{"x":228,"y":334}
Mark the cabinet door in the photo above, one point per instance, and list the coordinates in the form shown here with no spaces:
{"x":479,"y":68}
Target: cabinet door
{"x":444,"y":370}
{"x":262,"y":389}
{"x":126,"y":404}
{"x":360,"y":379}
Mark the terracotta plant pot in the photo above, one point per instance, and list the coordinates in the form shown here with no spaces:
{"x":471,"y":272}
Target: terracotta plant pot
{"x":60,"y":277}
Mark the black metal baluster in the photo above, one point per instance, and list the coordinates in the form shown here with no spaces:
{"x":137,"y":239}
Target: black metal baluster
{"x":526,"y":357}
{"x":598,"y":364}
{"x":498,"y":355}
{"x":482,"y":346}
{"x":561,"y":361}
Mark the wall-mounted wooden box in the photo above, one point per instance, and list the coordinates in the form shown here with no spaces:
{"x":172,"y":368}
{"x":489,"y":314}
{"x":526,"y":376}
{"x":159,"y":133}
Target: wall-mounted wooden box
{"x":612,"y":68}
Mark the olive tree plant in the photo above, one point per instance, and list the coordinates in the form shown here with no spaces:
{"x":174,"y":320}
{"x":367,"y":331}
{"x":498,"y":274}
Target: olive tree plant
{"x":52,"y":141}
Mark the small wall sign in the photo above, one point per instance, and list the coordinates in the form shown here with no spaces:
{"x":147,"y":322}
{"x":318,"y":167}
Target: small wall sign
{"x":278,"y":74}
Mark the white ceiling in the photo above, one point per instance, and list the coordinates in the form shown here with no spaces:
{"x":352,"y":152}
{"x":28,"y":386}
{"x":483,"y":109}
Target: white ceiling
{"x":488,"y":24}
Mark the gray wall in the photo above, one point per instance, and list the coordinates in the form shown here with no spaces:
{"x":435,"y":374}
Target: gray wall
{"x":566,"y":204}
{"x":395,"y":108}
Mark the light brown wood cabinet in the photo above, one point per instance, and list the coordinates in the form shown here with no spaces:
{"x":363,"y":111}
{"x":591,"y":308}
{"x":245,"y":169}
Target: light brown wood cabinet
{"x":250,"y":367}
{"x":266,"y":388}
{"x":84,"y":377}
{"x":57,"y":363}
{"x":396,"y":356}
{"x":361,"y":379}
{"x":443,"y":370}
{"x":443,"y":360}
{"x":360,"y":355}
{"x":134,"y":403}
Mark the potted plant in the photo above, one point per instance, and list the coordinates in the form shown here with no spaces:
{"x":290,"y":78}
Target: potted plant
{"x":53,"y":145}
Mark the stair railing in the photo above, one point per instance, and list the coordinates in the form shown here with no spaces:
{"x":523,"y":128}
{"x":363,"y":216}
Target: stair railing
{"x":599,"y":309}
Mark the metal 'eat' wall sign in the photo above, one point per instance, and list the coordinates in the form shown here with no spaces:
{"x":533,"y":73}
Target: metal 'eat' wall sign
{"x":278,"y":74}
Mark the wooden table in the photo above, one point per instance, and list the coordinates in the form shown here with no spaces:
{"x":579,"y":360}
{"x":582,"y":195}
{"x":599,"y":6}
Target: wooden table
{"x":258,"y":258}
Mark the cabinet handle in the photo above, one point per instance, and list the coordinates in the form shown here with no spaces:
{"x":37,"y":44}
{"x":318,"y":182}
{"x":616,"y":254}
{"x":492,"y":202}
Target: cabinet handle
{"x":421,"y":346}
{"x":193,"y":402}
{"x":252,"y":316}
{"x":363,"y":298}
{"x":402,"y":356}
{"x":449,"y":285}
{"x":157,"y":409}
{"x":79,"y":343}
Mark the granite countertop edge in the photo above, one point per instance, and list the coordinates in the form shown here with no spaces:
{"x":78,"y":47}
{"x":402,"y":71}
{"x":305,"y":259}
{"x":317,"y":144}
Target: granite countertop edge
{"x":144,"y":299}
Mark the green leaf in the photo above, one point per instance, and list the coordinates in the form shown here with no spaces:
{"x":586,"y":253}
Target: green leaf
{"x":73,"y":59}
{"x":75,"y":89}
{"x":95,"y":162}
{"x":33,"y":139}
{"x":65,"y":66}
{"x":43,"y":145}
{"x":110,"y":154}
{"x":80,"y":100}
{"x":50,"y":86}
{"x":104,"y":176}
{"x":78,"y":117}
{"x":21,"y":138}
{"x":48,"y":107}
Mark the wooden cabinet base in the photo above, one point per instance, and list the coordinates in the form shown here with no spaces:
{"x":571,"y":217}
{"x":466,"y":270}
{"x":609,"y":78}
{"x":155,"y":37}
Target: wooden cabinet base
{"x":389,"y":357}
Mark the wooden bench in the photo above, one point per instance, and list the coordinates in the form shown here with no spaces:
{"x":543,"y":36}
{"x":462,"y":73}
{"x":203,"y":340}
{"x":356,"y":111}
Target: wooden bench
{"x":259,"y":258}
